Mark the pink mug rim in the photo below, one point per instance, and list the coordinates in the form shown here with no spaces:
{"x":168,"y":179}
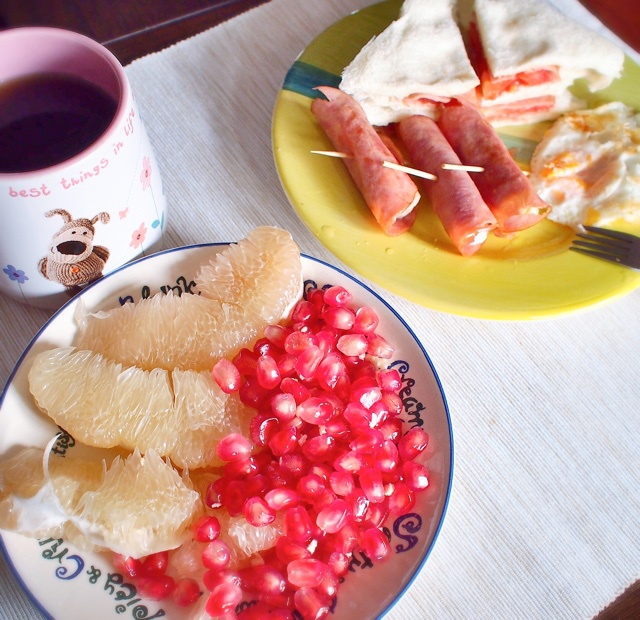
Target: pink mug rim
{"x":123,"y":101}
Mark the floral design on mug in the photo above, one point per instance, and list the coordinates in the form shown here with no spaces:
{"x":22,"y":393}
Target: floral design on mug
{"x":145,"y":175}
{"x":145,"y":179}
{"x":15,"y":275}
{"x":73,"y":259}
{"x":138,"y":236}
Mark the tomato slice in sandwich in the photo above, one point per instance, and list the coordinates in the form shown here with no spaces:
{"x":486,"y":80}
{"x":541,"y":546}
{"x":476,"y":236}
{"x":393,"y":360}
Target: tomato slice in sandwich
{"x":492,"y":87}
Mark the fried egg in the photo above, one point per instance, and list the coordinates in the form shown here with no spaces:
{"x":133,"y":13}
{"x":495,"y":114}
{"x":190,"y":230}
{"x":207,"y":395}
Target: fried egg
{"x":587,"y":166}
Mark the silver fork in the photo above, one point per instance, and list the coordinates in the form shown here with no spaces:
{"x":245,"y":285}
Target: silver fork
{"x":612,"y":245}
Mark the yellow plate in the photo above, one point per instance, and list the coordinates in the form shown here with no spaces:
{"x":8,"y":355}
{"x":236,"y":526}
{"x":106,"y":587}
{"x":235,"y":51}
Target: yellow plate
{"x":530,"y":277}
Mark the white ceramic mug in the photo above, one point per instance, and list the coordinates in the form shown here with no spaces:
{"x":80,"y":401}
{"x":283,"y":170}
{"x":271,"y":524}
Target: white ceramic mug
{"x":65,"y":225}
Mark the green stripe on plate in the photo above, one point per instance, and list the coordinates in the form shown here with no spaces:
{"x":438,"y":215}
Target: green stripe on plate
{"x":302,"y":78}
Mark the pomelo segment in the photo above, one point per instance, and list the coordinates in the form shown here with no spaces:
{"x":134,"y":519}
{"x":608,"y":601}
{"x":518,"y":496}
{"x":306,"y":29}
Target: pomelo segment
{"x":206,"y":414}
{"x":243,"y":289}
{"x":102,"y":404}
{"x":134,"y":506}
{"x":181,"y":415}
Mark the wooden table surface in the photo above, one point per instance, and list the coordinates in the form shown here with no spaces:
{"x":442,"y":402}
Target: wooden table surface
{"x":134,"y":28}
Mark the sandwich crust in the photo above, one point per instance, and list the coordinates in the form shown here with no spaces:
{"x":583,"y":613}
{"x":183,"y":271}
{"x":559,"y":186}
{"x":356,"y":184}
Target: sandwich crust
{"x":419,"y":59}
{"x":519,"y":35}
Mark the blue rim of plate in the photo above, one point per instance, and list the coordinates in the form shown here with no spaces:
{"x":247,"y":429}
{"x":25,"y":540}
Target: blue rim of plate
{"x":436,"y":378}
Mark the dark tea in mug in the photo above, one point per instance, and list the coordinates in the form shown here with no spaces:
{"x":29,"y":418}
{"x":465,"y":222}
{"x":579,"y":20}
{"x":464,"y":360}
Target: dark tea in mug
{"x":47,"y":118}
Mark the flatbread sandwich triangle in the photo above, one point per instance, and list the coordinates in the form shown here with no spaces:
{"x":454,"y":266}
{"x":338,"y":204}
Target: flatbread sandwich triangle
{"x":515,"y":59}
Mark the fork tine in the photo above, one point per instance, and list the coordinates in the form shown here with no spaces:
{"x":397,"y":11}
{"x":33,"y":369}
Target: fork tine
{"x":612,"y":234}
{"x":593,"y":243}
{"x":613,"y":258}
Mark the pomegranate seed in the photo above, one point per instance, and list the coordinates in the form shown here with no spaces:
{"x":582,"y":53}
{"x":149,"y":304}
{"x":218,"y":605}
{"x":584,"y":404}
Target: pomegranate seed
{"x":415,"y":475}
{"x":371,"y":483}
{"x":286,"y":365}
{"x":337,"y":296}
{"x":327,"y":340}
{"x":329,"y":371}
{"x":316,"y":410}
{"x":216,"y":555}
{"x":333,"y":517}
{"x":320,"y":448}
{"x":374,"y":543}
{"x":283,"y":406}
{"x":245,"y":361}
{"x":263,"y":346}
{"x":258,"y":513}
{"x":339,"y":563}
{"x":235,"y":495}
{"x":352,"y":344}
{"x":155,"y":563}
{"x":226,"y":375}
{"x":297,"y":524}
{"x":156,"y":587}
{"x":223,"y":599}
{"x":206,"y":529}
{"x":393,"y":402}
{"x":389,"y":380}
{"x":339,"y":317}
{"x":288,"y":550}
{"x":310,"y":487}
{"x":252,"y":393}
{"x":186,"y":592}
{"x":213,"y":578}
{"x":316,"y":297}
{"x":281,"y":497}
{"x":213,"y":496}
{"x":267,"y":372}
{"x":262,"y":428}
{"x":342,"y":483}
{"x":235,"y":470}
{"x":350,"y":462}
{"x":379,"y":347}
{"x":387,"y":458}
{"x":264,"y":579}
{"x":365,"y":391}
{"x":377,"y":514}
{"x":402,"y":499}
{"x":295,"y":388}
{"x":303,"y":312}
{"x":257,"y":484}
{"x":391,"y":429}
{"x":310,"y":604}
{"x":366,"y":321}
{"x":128,"y":566}
{"x":412,"y":443}
{"x":338,"y":429}
{"x":296,"y":342}
{"x":323,"y":500}
{"x":346,"y":539}
{"x":233,"y":447}
{"x":306,"y":573}
{"x":359,"y":503}
{"x":358,"y":416}
{"x":323,"y":470}
{"x":367,"y":440}
{"x":262,"y":611}
{"x":329,"y":585}
{"x":293,"y":466}
{"x":276,"y":334}
{"x":284,"y":441}
{"x":308,"y":362}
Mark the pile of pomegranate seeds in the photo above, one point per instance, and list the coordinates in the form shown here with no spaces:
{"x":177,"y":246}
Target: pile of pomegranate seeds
{"x":326,"y":453}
